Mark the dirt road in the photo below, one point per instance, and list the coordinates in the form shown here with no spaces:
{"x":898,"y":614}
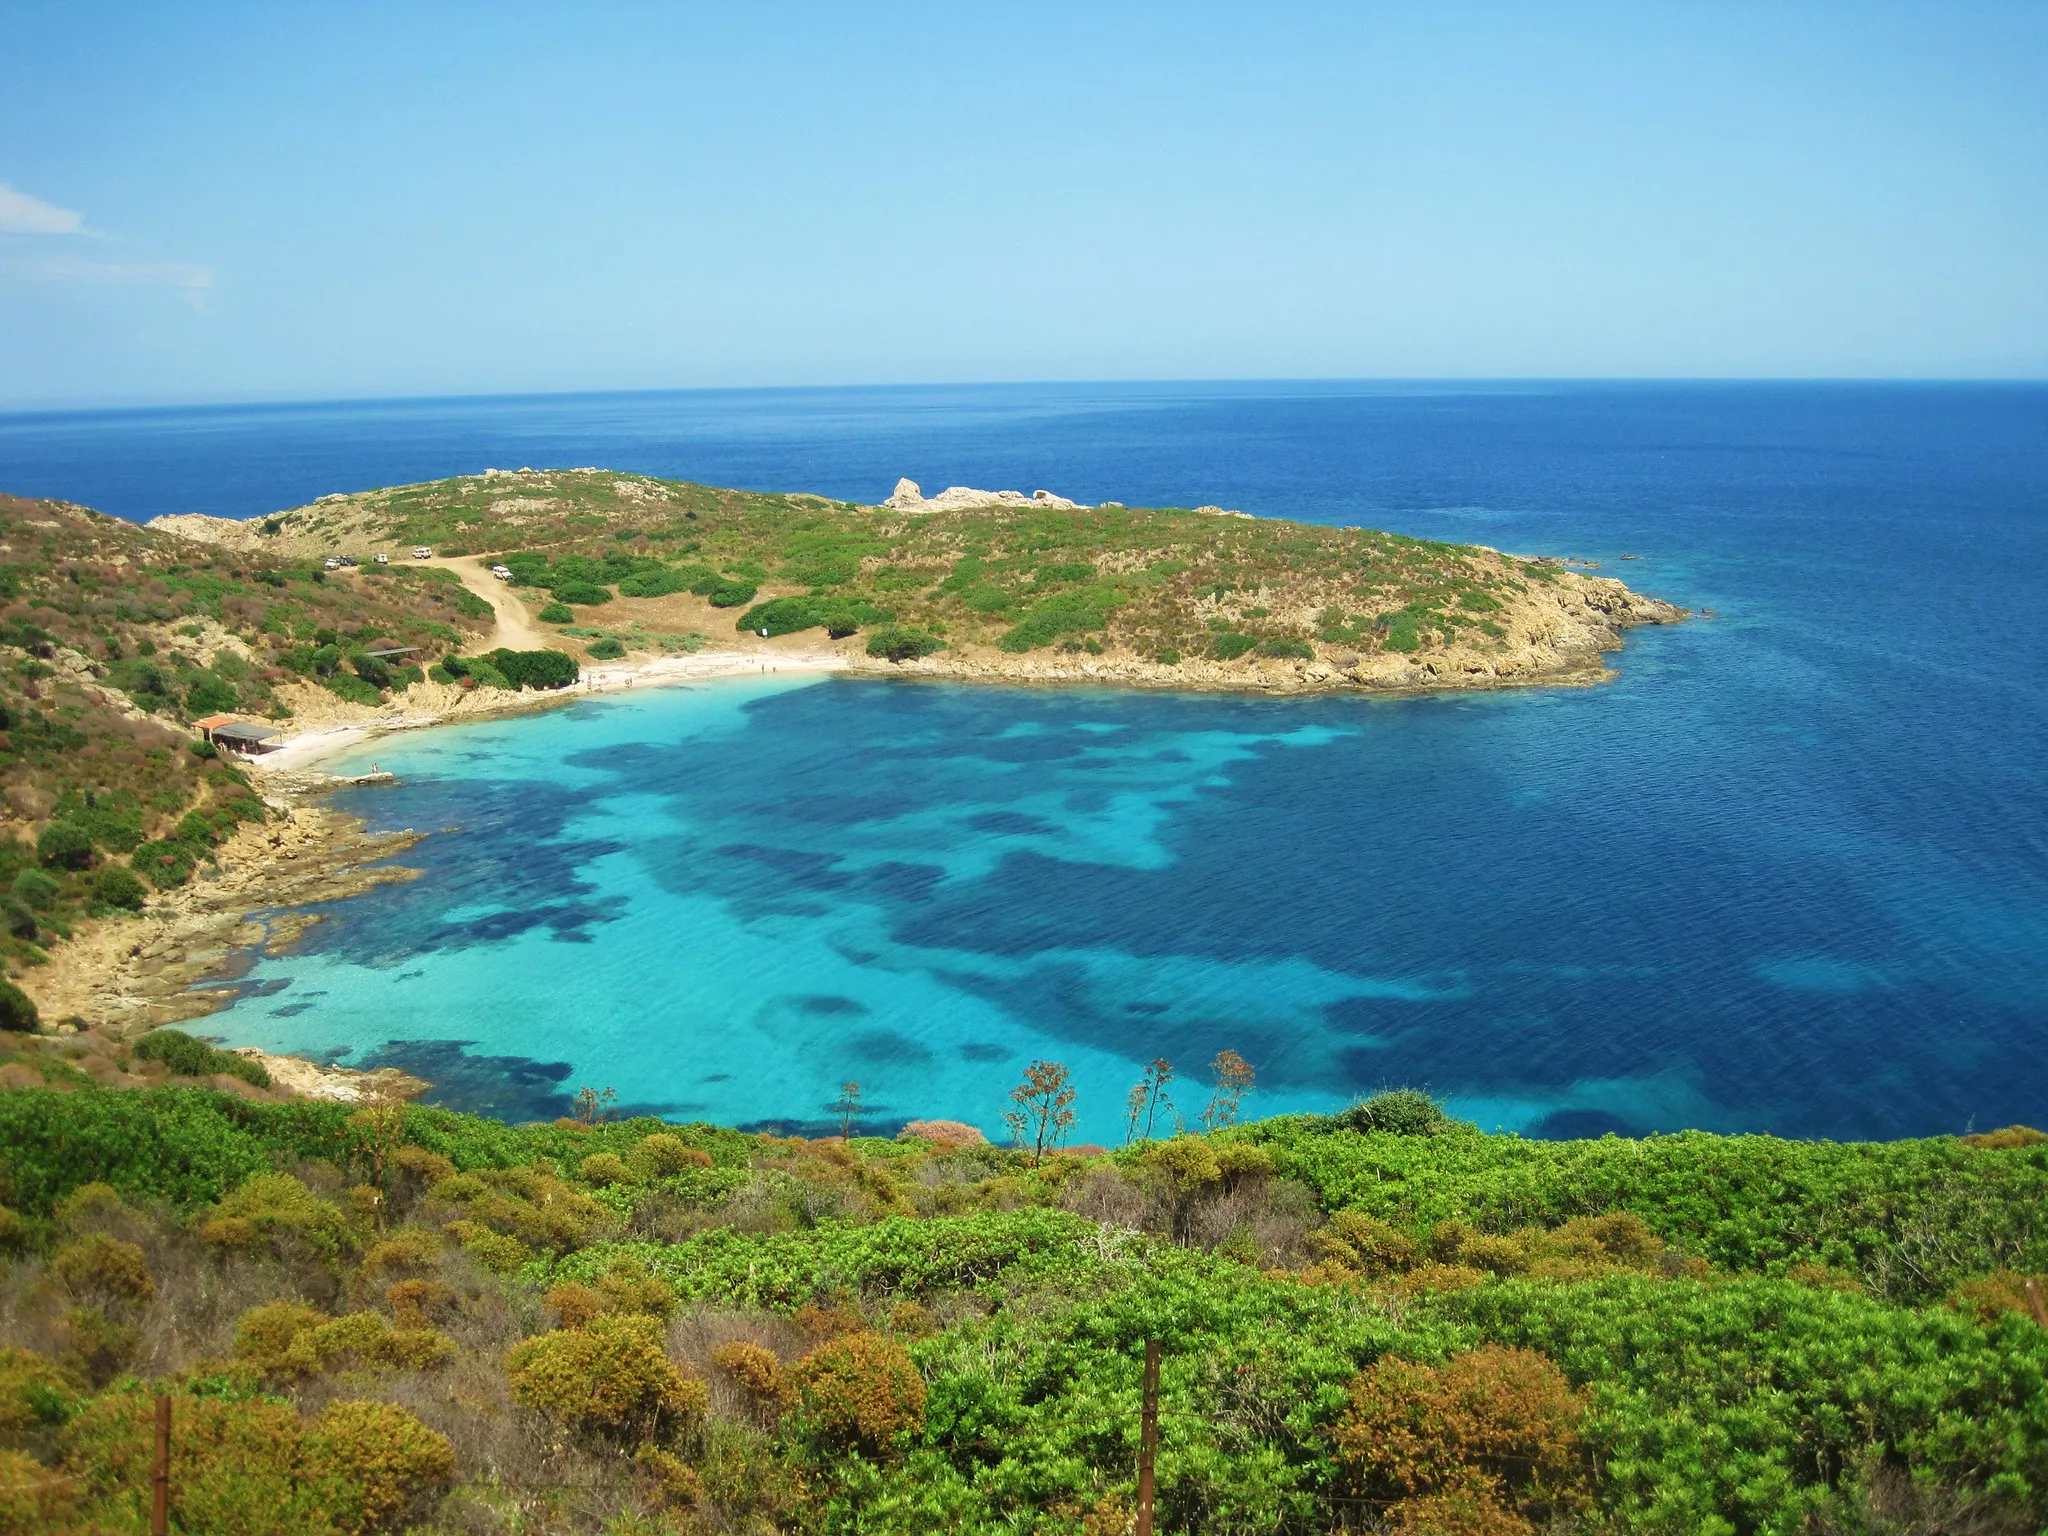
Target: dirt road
{"x":515,"y":631}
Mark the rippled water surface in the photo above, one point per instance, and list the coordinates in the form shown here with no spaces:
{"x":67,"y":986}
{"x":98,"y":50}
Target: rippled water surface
{"x":1788,"y":871}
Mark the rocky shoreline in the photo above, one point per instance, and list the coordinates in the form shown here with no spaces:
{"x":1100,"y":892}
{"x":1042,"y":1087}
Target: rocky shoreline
{"x":121,"y":977}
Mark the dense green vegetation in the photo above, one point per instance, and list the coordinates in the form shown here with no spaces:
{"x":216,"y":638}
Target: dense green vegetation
{"x":1385,"y":1320}
{"x":1019,"y":578}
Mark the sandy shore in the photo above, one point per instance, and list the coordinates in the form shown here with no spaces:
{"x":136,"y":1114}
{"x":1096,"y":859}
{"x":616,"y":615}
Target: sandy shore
{"x":304,"y":748}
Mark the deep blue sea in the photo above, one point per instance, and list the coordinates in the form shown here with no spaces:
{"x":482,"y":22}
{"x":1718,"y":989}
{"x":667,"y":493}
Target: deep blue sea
{"x":1788,"y":872}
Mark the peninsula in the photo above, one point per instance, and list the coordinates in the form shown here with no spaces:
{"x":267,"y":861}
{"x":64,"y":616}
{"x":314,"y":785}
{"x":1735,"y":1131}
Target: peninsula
{"x":996,"y":586}
{"x":127,"y":648}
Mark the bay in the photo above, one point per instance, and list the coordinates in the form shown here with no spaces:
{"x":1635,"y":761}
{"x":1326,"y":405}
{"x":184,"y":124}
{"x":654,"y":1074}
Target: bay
{"x":1787,"y":872}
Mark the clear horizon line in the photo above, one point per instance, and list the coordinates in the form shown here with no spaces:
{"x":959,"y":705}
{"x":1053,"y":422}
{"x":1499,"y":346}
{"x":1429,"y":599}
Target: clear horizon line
{"x":117,"y":405}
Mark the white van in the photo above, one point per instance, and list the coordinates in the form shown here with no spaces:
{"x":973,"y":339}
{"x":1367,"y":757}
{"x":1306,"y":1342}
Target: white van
{"x":501,"y":572}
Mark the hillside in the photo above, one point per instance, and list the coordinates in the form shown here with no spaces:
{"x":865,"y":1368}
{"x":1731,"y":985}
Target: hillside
{"x":1018,"y":589}
{"x":113,"y":639}
{"x":391,"y":1319}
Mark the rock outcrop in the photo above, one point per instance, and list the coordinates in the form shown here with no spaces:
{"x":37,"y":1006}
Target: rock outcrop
{"x":907,"y":497}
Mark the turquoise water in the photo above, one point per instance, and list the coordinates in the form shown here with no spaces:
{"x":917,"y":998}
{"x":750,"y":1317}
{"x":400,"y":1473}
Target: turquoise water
{"x":1788,"y":872}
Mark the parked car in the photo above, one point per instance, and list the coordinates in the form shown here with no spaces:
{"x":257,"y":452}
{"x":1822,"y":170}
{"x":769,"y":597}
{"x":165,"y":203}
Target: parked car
{"x":503,"y":573}
{"x":381,"y":558}
{"x":350,"y":560}
{"x":330,"y":563}
{"x":421,"y":552}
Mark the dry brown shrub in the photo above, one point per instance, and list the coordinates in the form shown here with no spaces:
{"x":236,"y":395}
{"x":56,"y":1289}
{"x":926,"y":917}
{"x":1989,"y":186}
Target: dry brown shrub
{"x":628,"y":1285}
{"x":1436,"y":1279}
{"x":944,"y":1135}
{"x":1107,"y":1195}
{"x":1364,"y":1244}
{"x":389,"y":1460}
{"x":2011,"y":1136}
{"x":861,"y":1391}
{"x":1989,"y":1297}
{"x":1823,"y":1278}
{"x":604,"y":1169}
{"x":573,"y":1303}
{"x":913,"y":1319}
{"x":757,"y":1374}
{"x":664,"y":1154}
{"x":34,"y":1393}
{"x":821,"y":1323}
{"x":419,"y":1303}
{"x":358,"y":1469}
{"x":668,"y":1483}
{"x":609,"y":1377}
{"x":1479,"y":1446}
{"x":105,"y":1267}
{"x":34,"y":1497}
{"x":407,"y":1250}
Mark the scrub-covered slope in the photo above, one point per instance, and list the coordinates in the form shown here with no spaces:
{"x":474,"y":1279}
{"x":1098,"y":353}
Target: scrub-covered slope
{"x":382,"y":1319}
{"x":113,"y":639}
{"x":1022,"y":589}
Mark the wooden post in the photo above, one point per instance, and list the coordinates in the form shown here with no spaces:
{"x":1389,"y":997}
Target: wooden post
{"x":1148,"y":1437}
{"x":2034,"y":1300}
{"x":160,"y":1478}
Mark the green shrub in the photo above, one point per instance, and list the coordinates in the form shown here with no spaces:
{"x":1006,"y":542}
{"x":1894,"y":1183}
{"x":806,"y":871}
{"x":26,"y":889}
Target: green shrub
{"x":604,"y":1168}
{"x":187,"y":1057}
{"x":664,"y":1154}
{"x":585,"y":594}
{"x":607,"y":649}
{"x":18,"y":920}
{"x":353,"y":690}
{"x":211,"y":696}
{"x":609,"y":1377}
{"x":533,"y":669}
{"x":558,"y":613}
{"x":118,"y":887}
{"x":657,"y":583}
{"x":1231,"y":645}
{"x":731,"y":594}
{"x":486,"y":675}
{"x":371,"y":669}
{"x":1299,"y":650}
{"x":166,"y":862}
{"x":837,"y":616}
{"x":900,"y":645}
{"x":64,"y":845}
{"x":1400,"y":1111}
{"x":1168,"y":657}
{"x":17,"y":1009}
{"x":1065,"y":613}
{"x":36,"y":890}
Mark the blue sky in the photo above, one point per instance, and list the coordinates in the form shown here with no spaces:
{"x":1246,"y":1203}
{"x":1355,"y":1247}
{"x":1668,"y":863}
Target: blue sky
{"x":278,"y":201}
